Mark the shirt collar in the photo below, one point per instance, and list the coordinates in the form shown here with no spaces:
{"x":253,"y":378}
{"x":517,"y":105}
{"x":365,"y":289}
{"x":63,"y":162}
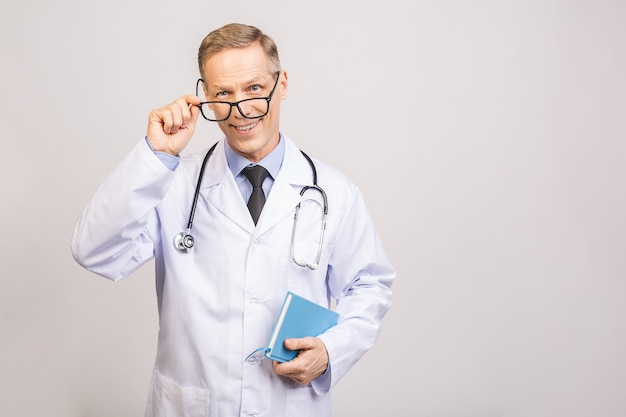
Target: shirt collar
{"x":272,"y":162}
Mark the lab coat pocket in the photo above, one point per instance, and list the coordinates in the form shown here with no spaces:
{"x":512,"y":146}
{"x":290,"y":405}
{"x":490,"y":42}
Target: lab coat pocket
{"x":167,"y":399}
{"x":303,"y":402}
{"x":305,"y":281}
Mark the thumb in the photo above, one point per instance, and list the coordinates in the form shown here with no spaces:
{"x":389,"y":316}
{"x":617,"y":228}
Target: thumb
{"x":297,"y":344}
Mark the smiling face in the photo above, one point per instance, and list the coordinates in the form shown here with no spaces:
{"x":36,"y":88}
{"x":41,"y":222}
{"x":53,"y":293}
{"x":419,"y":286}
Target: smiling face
{"x":236,"y":74}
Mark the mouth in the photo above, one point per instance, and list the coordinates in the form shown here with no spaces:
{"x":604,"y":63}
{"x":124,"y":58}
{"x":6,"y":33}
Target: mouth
{"x":246,"y":128}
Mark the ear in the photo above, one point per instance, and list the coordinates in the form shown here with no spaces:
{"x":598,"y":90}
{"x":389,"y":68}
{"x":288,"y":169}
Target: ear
{"x":283,"y":85}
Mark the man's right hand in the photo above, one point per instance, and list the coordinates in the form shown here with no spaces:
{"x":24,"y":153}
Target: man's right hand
{"x":170,"y":128}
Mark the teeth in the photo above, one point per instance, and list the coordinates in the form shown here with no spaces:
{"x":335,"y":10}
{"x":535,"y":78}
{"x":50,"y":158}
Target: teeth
{"x":246,"y":128}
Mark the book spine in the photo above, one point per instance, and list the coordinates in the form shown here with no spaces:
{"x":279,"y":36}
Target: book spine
{"x":279,"y":323}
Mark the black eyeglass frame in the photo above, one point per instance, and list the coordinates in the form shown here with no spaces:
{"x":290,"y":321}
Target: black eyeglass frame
{"x":236,"y":103}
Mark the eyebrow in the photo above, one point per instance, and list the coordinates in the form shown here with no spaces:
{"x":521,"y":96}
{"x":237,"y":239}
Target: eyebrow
{"x":251,"y":81}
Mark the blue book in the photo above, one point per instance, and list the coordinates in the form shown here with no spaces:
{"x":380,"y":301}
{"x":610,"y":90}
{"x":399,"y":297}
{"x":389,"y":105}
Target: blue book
{"x":298,"y":317}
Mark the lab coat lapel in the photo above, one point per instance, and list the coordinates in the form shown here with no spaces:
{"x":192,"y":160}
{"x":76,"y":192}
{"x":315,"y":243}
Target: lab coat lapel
{"x":220,"y":190}
{"x":285,"y":194}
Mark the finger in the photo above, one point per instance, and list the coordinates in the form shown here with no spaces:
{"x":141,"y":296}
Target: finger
{"x":300,"y":369}
{"x":166,"y":119}
{"x":191,"y":99}
{"x":189,"y":110}
{"x":295,"y":366}
{"x":195,"y":112}
{"x":300,"y":343}
{"x":178,"y":109}
{"x":288,"y":369}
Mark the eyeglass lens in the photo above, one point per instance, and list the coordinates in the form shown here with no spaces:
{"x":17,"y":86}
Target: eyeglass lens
{"x":250,"y":109}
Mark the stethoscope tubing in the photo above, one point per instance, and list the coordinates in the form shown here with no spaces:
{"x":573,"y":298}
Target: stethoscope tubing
{"x":184,"y":241}
{"x":199,"y":183}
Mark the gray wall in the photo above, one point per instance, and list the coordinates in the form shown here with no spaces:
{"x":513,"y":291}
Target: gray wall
{"x":488,"y":138}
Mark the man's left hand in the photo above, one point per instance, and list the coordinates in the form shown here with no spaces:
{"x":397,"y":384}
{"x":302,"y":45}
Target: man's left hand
{"x":311,"y":362}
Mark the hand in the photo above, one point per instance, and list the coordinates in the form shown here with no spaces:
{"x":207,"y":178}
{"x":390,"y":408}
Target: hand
{"x":171,"y":127}
{"x":311,"y":362}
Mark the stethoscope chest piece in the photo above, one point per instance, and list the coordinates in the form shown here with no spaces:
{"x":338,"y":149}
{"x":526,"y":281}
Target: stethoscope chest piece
{"x":183,"y":241}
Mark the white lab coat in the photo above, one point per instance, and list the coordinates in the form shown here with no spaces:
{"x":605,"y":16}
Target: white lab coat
{"x":218,"y":303}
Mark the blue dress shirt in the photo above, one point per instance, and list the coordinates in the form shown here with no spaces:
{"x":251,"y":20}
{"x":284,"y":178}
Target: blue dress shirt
{"x":272,"y":162}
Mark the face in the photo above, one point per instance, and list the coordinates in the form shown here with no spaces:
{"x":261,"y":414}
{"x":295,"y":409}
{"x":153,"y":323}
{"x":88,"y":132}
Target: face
{"x":238,"y":74}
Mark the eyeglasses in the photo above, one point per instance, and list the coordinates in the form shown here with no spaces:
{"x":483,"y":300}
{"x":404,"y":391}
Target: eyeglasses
{"x":250,"y":108}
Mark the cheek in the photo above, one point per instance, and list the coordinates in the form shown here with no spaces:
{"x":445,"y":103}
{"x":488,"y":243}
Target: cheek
{"x":222,"y":126}
{"x":275,"y":108}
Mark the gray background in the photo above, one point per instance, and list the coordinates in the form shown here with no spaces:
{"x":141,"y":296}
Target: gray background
{"x":488,"y":138}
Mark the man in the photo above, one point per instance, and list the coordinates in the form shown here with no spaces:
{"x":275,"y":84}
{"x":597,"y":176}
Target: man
{"x":218,"y":298}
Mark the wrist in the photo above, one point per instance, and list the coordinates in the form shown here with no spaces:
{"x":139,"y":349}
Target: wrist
{"x":169,"y":160}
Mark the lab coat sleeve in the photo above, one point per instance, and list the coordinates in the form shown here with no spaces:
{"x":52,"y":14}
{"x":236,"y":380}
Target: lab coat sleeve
{"x":359,"y":277}
{"x":116,"y":232}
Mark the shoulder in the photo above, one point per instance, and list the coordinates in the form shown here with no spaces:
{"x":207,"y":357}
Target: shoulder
{"x":192,"y":162}
{"x":330,"y":175}
{"x":337,"y":184}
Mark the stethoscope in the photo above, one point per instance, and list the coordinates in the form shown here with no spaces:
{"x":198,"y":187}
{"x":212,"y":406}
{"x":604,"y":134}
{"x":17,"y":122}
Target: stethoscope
{"x":184,"y":241}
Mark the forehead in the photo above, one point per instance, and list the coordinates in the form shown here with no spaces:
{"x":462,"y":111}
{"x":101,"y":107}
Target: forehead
{"x":236,"y":63}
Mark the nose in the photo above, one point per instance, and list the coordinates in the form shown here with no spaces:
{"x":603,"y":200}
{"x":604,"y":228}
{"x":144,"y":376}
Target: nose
{"x":235,"y":109}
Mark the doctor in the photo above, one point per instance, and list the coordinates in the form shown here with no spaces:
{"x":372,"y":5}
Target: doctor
{"x":218,"y":300}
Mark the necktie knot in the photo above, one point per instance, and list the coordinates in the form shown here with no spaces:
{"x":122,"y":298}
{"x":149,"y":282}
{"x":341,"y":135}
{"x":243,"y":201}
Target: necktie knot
{"x":256,"y":175}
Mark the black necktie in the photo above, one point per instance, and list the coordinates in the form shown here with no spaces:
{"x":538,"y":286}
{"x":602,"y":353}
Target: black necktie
{"x":256,"y":175}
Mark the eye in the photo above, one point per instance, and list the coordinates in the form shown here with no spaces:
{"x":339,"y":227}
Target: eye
{"x":255,"y":88}
{"x":221,"y":94}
